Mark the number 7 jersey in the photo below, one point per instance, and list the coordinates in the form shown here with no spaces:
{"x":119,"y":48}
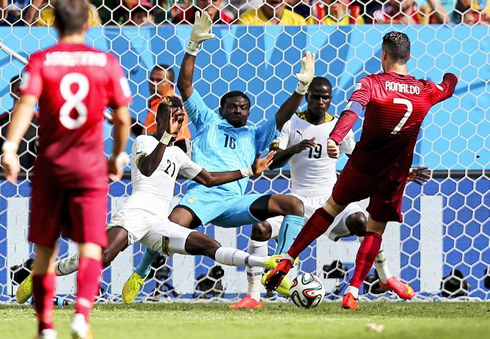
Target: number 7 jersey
{"x":74,"y":84}
{"x":395,"y":107}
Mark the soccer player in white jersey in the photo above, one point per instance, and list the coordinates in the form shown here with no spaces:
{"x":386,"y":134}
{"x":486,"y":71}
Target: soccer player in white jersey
{"x":302,"y":142}
{"x":143,"y":217}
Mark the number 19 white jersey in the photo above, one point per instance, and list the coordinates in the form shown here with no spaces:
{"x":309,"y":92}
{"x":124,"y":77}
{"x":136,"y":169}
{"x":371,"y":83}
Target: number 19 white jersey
{"x":313,"y":173}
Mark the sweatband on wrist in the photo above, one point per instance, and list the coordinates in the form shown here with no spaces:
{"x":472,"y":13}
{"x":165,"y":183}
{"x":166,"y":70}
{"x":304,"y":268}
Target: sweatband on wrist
{"x":302,"y":88}
{"x":193,"y":48}
{"x":247,"y":172}
{"x":10,"y":146}
{"x":165,"y":139}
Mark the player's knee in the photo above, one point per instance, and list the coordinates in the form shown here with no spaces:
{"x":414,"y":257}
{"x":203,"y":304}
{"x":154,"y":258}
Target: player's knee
{"x":261,"y":231}
{"x":295,"y":207}
{"x":357,"y":223}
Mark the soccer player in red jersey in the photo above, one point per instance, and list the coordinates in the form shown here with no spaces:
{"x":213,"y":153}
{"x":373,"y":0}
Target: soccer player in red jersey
{"x":396,"y":104}
{"x":73,"y":84}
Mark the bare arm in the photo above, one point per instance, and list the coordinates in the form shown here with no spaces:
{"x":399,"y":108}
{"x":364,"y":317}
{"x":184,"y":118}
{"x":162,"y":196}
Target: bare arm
{"x":147,"y":164}
{"x":184,"y":83}
{"x":305,"y":76}
{"x":172,"y":122}
{"x":21,"y":119}
{"x":121,"y":121}
{"x":283,"y":155}
{"x":287,"y":109}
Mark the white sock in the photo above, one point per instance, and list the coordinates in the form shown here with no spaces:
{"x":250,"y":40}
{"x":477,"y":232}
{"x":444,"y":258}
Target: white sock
{"x":353,"y":290}
{"x":254,"y":273}
{"x":381,"y":267}
{"x":67,"y":266}
{"x":234,"y":257}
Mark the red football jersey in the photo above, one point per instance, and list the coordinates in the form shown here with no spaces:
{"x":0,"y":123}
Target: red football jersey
{"x":395,"y":107}
{"x":74,"y":83}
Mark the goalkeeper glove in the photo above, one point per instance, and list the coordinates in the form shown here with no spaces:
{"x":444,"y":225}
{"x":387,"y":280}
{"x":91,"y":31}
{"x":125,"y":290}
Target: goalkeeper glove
{"x":307,"y":73}
{"x":200,"y":32}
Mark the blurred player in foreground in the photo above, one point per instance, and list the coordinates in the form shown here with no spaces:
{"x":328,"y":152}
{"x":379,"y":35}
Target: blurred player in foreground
{"x":303,"y":143}
{"x":223,"y":142}
{"x":143,"y":217}
{"x":396,"y":104}
{"x":73,"y":84}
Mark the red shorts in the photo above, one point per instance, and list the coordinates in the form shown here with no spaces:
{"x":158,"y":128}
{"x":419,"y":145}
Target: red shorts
{"x":77,"y":214}
{"x":385,"y":195}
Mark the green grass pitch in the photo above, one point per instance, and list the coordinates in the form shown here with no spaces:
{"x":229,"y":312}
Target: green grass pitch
{"x":277,"y":320}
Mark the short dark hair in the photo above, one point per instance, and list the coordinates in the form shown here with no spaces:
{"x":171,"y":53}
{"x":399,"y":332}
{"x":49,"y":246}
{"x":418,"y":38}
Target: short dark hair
{"x":168,"y":69}
{"x":70,"y":16}
{"x":320,"y":81}
{"x":166,"y":102}
{"x":397,"y":45}
{"x":234,"y":94}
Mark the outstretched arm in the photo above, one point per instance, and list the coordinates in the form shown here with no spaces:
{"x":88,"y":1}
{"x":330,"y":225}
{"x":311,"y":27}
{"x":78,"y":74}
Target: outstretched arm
{"x":210,"y":179}
{"x":199,"y":34}
{"x":305,"y":76}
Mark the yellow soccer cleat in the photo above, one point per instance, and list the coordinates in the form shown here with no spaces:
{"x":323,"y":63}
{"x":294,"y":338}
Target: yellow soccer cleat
{"x":132,"y":288}
{"x":24,"y":292}
{"x":274,"y":260}
{"x":284,"y":286}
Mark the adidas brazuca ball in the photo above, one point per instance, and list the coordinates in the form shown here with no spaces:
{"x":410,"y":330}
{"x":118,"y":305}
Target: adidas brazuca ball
{"x":307,"y":291}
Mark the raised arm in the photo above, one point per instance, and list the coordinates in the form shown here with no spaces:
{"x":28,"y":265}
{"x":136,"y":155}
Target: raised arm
{"x":199,"y":34}
{"x":305,"y":76}
{"x":170,"y":126}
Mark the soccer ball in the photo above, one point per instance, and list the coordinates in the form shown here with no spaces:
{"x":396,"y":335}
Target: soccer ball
{"x":307,"y":291}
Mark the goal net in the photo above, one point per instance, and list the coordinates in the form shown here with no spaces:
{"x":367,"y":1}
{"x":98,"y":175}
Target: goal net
{"x":441,"y":248}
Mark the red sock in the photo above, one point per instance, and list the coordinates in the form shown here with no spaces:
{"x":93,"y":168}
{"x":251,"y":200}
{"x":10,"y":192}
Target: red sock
{"x":315,"y":227}
{"x":43,"y":288}
{"x":366,"y":255}
{"x":88,"y":285}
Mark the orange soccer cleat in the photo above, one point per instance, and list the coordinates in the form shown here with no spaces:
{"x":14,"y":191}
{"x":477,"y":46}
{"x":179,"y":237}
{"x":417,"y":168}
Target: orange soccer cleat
{"x":274,"y":278}
{"x":248,"y":302}
{"x":404,"y":291}
{"x":349,"y":302}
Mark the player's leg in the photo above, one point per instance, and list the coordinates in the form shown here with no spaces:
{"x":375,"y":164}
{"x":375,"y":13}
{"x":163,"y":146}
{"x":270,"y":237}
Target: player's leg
{"x":117,"y":242}
{"x":257,"y":245}
{"x":48,"y":206}
{"x":292,"y":209}
{"x":315,"y":227}
{"x":366,"y":255}
{"x":43,"y":283}
{"x":181,"y":215}
{"x":87,"y":210}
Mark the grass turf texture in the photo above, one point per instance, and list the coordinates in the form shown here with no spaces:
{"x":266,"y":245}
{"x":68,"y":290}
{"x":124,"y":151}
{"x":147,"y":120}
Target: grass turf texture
{"x":401,"y":320}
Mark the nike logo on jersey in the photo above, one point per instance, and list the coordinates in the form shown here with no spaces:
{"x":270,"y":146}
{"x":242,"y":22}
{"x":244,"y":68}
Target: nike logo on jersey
{"x":299,"y":132}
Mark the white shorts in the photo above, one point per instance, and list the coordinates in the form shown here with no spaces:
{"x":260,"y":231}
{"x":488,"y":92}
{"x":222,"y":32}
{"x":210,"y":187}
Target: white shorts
{"x":151,"y":228}
{"x":311,"y":204}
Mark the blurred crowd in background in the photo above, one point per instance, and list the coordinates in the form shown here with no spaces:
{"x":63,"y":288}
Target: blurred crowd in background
{"x":259,"y":12}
